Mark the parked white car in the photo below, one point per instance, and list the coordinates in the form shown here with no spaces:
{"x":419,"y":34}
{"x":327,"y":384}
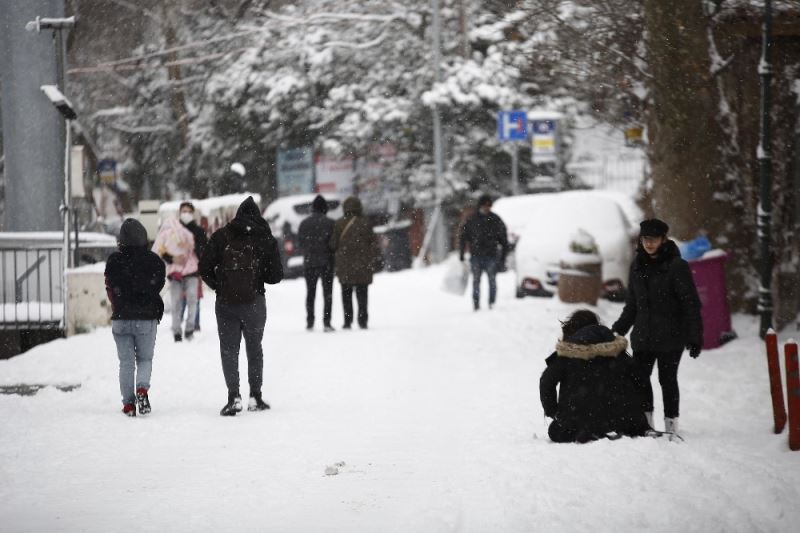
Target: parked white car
{"x":515,"y":212}
{"x":544,"y":239}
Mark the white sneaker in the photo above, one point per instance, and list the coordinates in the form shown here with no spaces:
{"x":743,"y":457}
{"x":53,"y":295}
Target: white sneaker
{"x":671,"y":429}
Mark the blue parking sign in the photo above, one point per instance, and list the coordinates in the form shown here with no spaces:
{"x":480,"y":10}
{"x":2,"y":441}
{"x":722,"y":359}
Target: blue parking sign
{"x":512,"y":126}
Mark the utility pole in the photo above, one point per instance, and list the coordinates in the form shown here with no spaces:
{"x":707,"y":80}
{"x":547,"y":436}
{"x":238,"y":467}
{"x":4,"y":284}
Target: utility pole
{"x":463,"y":22}
{"x":434,"y":236}
{"x":57,"y":97}
{"x":764,"y":156}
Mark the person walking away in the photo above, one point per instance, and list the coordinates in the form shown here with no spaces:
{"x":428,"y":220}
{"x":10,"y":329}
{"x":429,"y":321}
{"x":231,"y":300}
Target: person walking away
{"x":134,"y":277}
{"x":485,"y":234}
{"x":355,"y":252}
{"x":186,"y":217}
{"x":175,"y":245}
{"x":239,"y":259}
{"x":588,"y":386}
{"x":315,"y":234}
{"x":663,"y":307}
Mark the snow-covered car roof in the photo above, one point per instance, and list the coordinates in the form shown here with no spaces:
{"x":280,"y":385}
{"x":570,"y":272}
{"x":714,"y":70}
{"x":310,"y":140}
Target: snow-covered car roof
{"x":285,"y":209}
{"x":558,"y":215}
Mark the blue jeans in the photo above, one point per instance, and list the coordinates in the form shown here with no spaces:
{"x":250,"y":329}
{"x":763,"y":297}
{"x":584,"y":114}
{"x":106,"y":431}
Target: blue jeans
{"x":135,"y":342}
{"x":178,"y":290}
{"x":481,"y":264}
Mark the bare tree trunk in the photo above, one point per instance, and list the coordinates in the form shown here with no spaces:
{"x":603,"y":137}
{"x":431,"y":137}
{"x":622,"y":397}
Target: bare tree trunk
{"x":684,"y":134}
{"x":175,"y":75}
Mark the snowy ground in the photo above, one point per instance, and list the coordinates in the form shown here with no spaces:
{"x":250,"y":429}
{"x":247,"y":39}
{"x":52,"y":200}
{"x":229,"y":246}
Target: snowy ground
{"x":434,"y":411}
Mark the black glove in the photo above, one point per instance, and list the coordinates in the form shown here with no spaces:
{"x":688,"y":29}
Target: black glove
{"x":694,"y":350}
{"x":167,"y":259}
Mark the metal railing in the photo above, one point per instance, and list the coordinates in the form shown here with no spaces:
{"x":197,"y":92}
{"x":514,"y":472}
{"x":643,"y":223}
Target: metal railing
{"x":32,"y":288}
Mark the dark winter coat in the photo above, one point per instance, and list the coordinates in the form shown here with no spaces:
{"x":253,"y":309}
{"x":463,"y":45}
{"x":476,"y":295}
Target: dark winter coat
{"x":596,"y":392}
{"x":134,"y":277}
{"x":486,"y":236}
{"x":355,"y":245}
{"x":249,"y":227}
{"x":200,"y":238}
{"x":315,"y":234}
{"x":662,"y":303}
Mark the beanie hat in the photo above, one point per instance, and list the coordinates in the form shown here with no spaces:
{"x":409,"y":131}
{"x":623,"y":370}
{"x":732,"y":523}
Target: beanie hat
{"x":132,"y":233}
{"x":653,"y":227}
{"x":485,"y":200}
{"x":593,"y":334}
{"x":319,"y":205}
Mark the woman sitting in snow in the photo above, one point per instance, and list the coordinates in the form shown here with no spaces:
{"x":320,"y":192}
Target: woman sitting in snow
{"x":597,"y":396}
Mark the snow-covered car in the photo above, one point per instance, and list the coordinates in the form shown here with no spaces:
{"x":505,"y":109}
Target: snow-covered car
{"x":552,"y":221}
{"x":515,"y":212}
{"x":284,"y":216}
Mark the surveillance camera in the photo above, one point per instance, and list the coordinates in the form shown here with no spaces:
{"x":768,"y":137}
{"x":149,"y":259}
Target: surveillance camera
{"x":58,"y":99}
{"x":50,"y":24}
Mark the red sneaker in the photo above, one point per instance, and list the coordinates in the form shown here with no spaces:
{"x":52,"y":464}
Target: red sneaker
{"x":143,"y":401}
{"x":129,"y":409}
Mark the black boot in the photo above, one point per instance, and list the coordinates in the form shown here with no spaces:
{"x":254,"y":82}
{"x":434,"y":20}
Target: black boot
{"x":233,"y":406}
{"x":256,"y":403}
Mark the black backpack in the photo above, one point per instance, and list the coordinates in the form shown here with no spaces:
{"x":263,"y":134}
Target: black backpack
{"x":240,"y":275}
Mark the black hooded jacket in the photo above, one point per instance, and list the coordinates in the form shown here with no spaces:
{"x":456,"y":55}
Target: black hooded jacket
{"x":486,"y":236}
{"x":249,"y":228}
{"x":588,"y":385}
{"x":662,"y":303}
{"x":200,"y":238}
{"x":134,"y":277}
{"x":314,"y":235}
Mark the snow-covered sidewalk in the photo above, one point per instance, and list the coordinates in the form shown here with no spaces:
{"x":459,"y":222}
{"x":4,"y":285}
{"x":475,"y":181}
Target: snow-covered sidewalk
{"x":434,"y":412}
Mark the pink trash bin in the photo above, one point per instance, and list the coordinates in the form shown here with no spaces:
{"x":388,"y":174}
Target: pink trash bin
{"x":709,"y":277}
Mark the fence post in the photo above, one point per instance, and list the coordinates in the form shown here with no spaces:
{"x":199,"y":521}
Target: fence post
{"x":775,"y":386}
{"x":793,"y":393}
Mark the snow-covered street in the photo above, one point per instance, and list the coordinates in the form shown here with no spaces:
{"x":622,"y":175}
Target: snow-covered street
{"x":434,"y":412}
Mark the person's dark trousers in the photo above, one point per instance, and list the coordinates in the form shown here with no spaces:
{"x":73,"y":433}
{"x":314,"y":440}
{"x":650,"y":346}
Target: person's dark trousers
{"x":667,"y":376}
{"x":312,"y":274}
{"x":347,"y":302}
{"x":233,"y":322}
{"x":481,"y":264}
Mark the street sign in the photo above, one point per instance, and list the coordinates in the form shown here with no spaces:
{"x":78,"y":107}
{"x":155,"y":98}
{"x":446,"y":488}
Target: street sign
{"x":107,"y":170}
{"x":545,"y":149}
{"x":295,"y":171}
{"x":77,"y":164}
{"x":512,"y":126}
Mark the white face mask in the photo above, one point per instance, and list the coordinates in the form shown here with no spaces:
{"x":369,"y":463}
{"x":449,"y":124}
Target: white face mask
{"x":187,"y":217}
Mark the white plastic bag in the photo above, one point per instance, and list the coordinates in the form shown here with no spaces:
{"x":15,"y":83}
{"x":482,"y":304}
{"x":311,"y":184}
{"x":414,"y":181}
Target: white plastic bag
{"x":456,"y":276}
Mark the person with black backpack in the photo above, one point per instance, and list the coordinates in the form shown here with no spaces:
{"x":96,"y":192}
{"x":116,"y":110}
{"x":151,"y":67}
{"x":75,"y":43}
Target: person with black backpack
{"x":239,"y":259}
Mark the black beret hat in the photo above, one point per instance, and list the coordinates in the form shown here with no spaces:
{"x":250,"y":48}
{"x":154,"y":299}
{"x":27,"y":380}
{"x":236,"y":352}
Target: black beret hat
{"x":653,"y":227}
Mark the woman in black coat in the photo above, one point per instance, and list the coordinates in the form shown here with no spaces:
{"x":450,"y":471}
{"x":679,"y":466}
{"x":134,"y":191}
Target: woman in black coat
{"x":594,"y":376}
{"x":134,"y":279}
{"x":664,"y":309}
